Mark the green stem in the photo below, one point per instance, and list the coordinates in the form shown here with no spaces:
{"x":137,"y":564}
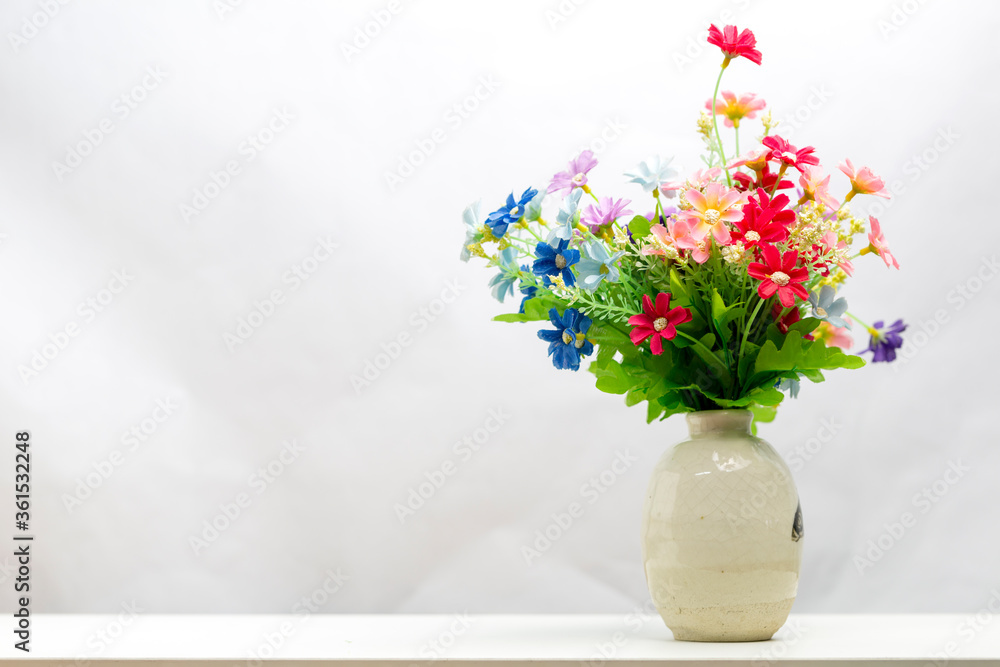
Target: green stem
{"x":746,"y":332}
{"x":856,"y":319}
{"x":715,"y":124}
{"x":736,"y":129}
{"x":697,"y":343}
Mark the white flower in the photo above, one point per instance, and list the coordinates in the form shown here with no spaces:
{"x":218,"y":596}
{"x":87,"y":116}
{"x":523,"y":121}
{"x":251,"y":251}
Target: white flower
{"x":651,"y":173}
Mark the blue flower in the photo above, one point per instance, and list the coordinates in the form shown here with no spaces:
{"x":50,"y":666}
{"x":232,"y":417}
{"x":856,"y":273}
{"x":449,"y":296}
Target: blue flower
{"x":791,"y":385}
{"x":598,"y":266}
{"x":553,"y":261}
{"x":502,"y":284}
{"x":652,"y":173}
{"x":826,"y":308}
{"x":473,"y":233}
{"x":885,"y":343}
{"x":568,"y":216}
{"x":569,"y":340}
{"x":509,"y":213}
{"x":528,"y":290}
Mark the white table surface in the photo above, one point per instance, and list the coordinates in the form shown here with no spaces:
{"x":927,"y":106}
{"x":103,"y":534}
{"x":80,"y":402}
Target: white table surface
{"x":593,"y":640}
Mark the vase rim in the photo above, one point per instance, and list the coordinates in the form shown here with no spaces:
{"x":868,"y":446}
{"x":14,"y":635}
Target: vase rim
{"x":704,"y":422}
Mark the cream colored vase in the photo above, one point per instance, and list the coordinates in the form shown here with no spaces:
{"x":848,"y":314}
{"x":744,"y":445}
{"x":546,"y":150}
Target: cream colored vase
{"x":722,"y":533}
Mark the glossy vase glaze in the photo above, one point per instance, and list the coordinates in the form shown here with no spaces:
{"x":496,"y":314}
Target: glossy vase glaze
{"x":722,"y":533}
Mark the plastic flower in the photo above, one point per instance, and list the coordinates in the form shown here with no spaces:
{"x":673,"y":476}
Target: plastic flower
{"x":835,"y":336}
{"x":778,"y":273}
{"x":470,"y":216}
{"x":885,"y":341}
{"x":653,"y":173}
{"x":685,"y":239}
{"x":703,"y":177}
{"x":598,"y":265}
{"x":657,"y":321}
{"x":863,"y":181}
{"x":566,"y":217}
{"x":576,"y":175}
{"x":765,"y":178}
{"x":830,"y":241}
{"x":791,"y":385}
{"x":502,"y":284}
{"x":828,"y":309}
{"x":878,"y":243}
{"x":663,"y":243}
{"x":569,"y":340}
{"x":712,"y":209}
{"x":765,"y":220}
{"x":509,"y":213}
{"x":533,"y":209}
{"x":736,"y":108}
{"x":788,"y":154}
{"x":755,"y":159}
{"x":816,"y":187}
{"x":528,"y":290}
{"x":607,"y":211}
{"x":783,"y":322}
{"x":734,"y":43}
{"x":556,"y":261}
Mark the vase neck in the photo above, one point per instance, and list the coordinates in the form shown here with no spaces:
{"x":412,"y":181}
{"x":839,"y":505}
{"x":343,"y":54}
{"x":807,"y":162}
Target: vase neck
{"x":718,"y":422}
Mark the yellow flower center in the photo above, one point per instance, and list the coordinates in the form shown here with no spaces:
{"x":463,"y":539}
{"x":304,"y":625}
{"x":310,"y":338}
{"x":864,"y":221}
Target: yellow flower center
{"x":560,"y":262}
{"x":567,"y":337}
{"x":580,"y":340}
{"x":578,"y":179}
{"x":821,"y":311}
{"x":780,"y":279}
{"x":712,"y":216}
{"x":604,"y":270}
{"x":660,"y":323}
{"x":514,"y":211}
{"x":752,"y":236}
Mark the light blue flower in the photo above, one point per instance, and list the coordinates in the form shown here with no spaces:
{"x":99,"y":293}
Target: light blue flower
{"x":598,"y":266}
{"x":826,"y":308}
{"x":473,"y":225}
{"x":502,"y":284}
{"x":652,"y":173}
{"x":790,"y":385}
{"x":533,"y":209}
{"x":566,"y":219}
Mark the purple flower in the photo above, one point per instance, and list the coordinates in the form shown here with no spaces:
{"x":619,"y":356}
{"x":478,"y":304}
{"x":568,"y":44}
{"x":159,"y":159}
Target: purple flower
{"x":576,"y":175}
{"x":884,"y":343}
{"x":606,"y":212}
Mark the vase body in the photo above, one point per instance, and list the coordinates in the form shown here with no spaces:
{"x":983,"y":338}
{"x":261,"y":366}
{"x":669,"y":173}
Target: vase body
{"x":722,"y":533}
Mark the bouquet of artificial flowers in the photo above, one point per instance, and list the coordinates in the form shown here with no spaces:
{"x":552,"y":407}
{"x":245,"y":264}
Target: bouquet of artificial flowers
{"x":723,"y":296}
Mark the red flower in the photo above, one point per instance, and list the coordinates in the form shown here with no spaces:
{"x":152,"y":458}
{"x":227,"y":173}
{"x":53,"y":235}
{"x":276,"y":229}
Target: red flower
{"x":790,"y":318}
{"x":764,"y":219}
{"x":658,"y":321}
{"x":788,"y":154}
{"x":766,"y":180}
{"x":734,"y":43}
{"x":778,"y":273}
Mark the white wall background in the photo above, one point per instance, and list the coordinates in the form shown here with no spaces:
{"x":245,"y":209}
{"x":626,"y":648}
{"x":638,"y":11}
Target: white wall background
{"x":879,"y":98}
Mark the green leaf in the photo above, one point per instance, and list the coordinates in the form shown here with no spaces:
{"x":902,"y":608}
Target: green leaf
{"x":613,"y":379}
{"x":679,"y":292}
{"x":639,"y":226}
{"x":800,"y":355}
{"x":535,"y":310}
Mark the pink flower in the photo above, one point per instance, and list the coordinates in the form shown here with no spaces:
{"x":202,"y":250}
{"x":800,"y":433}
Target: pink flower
{"x":684,"y":239}
{"x":712,"y":209}
{"x":703,"y":177}
{"x":734,"y":43}
{"x":657,"y":321}
{"x":816,"y":187}
{"x":863,"y":181}
{"x":576,"y":175}
{"x":878,"y":243}
{"x":663,"y":238}
{"x":834,"y":336}
{"x":736,"y":108}
{"x":755,"y":159}
{"x":788,"y":154}
{"x":831,"y":242}
{"x":607,"y":211}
